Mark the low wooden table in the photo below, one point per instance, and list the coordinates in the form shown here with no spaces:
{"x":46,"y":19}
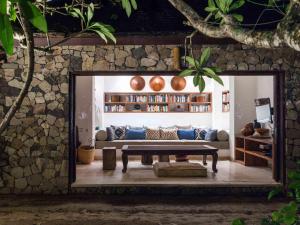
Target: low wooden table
{"x":170,"y":150}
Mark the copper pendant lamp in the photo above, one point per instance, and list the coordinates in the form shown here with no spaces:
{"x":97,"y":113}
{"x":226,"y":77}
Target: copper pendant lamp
{"x":157,"y":83}
{"x":137,"y":83}
{"x":178,"y":83}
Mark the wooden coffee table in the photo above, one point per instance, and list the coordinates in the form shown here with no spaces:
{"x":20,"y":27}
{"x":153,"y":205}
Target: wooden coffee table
{"x":170,"y":150}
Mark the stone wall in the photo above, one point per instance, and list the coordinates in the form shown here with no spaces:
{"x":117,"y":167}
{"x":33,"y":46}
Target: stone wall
{"x":34,"y":150}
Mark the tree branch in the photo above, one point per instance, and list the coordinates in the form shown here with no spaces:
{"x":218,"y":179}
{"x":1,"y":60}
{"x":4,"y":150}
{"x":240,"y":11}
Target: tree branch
{"x":287,"y":32}
{"x":29,"y":75}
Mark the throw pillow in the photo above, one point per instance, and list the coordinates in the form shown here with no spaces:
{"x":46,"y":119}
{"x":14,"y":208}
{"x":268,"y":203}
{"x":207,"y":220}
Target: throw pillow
{"x":198,"y":134}
{"x":101,"y":135}
{"x":186,"y":134}
{"x":152,"y":134}
{"x":132,"y":134}
{"x":223,"y":135}
{"x":119,"y":132}
{"x":110,"y":133}
{"x":168,"y":134}
{"x":211,"y":135}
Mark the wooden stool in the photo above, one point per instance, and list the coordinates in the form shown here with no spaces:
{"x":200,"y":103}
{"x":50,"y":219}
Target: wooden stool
{"x":109,"y":158}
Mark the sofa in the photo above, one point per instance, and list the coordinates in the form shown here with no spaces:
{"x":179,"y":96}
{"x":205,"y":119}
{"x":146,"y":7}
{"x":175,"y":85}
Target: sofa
{"x":115,"y":136}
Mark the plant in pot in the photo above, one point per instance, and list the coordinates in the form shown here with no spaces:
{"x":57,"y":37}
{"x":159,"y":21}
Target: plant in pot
{"x":86,"y":153}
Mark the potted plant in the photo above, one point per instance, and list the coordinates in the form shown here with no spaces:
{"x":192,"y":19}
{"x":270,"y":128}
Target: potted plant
{"x":86,"y":153}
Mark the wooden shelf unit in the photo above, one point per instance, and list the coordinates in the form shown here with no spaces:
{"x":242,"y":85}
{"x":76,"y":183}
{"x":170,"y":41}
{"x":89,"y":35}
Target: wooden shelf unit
{"x":225,"y":101}
{"x":247,"y":151}
{"x":162,"y":102}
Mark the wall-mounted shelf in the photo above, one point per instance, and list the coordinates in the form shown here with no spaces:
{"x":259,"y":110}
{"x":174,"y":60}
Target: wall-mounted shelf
{"x":225,"y":101}
{"x":167,"y":102}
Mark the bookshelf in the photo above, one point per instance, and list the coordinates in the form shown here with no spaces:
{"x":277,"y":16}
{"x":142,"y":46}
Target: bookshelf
{"x":163,"y":102}
{"x":225,"y":101}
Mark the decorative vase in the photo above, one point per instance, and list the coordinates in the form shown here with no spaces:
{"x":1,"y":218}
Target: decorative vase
{"x":157,"y":83}
{"x":178,"y":83}
{"x":137,"y":83}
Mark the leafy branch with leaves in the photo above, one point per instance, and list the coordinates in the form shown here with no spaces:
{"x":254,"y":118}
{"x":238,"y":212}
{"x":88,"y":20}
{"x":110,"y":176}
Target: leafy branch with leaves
{"x":198,"y":69}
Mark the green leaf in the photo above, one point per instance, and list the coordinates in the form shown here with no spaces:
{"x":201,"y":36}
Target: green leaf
{"x":34,"y":15}
{"x":186,"y":72}
{"x":134,"y":5}
{"x":209,"y":72}
{"x":210,"y":9}
{"x":6,"y":34}
{"x":101,"y":35}
{"x":196,"y":80}
{"x":238,"y":222}
{"x":3,"y":7}
{"x":211,"y":3}
{"x":192,"y":62}
{"x":201,"y":84}
{"x":238,"y":17}
{"x":127,"y":6}
{"x":204,"y":56}
{"x":90,"y":13}
{"x":237,"y":4}
{"x":12,"y":13}
{"x":274,"y":192}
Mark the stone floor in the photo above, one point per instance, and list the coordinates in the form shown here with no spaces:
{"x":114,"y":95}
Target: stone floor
{"x":228,"y":173}
{"x":122,"y":210}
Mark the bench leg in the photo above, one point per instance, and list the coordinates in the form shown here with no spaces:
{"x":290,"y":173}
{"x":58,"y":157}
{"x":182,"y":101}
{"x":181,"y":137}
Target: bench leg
{"x":214,"y":164}
{"x":125,"y":162}
{"x":204,"y":160}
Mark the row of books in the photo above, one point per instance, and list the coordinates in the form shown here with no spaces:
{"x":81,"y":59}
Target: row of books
{"x":226,"y":107}
{"x":157,"y":108}
{"x":179,"y":98}
{"x":226,"y":97}
{"x":158,"y":98}
{"x":200,"y":108}
{"x":114,"y":108}
{"x":136,"y":98}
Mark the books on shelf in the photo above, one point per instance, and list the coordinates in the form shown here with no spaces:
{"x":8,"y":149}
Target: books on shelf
{"x":200,"y":108}
{"x":157,"y":108}
{"x":158,"y":98}
{"x":179,"y":98}
{"x":225,"y":97}
{"x":136,"y":98}
{"x":114,"y":108}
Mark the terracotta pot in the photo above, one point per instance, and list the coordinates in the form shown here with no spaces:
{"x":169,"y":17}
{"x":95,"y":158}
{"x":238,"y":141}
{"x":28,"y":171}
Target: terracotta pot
{"x":86,"y":154}
{"x":137,"y":83}
{"x":157,"y":83}
{"x":178,"y":83}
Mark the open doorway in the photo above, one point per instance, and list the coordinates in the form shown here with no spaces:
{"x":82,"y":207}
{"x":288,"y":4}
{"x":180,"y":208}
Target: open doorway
{"x":106,"y":104}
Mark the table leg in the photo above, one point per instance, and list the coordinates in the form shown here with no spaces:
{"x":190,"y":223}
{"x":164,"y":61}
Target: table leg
{"x":214,"y":164}
{"x":125,"y":162}
{"x":204,"y":160}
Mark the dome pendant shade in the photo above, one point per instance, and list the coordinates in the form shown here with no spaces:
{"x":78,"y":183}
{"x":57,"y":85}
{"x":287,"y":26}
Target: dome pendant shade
{"x":157,"y":83}
{"x":178,"y":83}
{"x":137,"y":83}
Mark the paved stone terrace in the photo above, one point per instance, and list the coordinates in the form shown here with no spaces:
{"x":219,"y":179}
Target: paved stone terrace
{"x":131,"y":210}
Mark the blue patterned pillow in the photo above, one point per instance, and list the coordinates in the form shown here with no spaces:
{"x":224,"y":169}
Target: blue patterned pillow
{"x":132,"y":134}
{"x":186,"y":134}
{"x":200,"y":134}
{"x":119,"y":132}
{"x":211,"y":135}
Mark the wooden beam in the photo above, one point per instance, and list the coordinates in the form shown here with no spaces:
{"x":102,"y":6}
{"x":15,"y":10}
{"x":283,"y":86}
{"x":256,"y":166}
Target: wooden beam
{"x":134,"y":39}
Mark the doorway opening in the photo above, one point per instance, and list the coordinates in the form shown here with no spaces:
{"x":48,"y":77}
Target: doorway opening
{"x":104,"y":102}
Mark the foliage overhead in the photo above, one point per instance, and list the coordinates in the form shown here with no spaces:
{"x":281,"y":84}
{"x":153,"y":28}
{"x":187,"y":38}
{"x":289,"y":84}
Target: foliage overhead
{"x":198,"y":69}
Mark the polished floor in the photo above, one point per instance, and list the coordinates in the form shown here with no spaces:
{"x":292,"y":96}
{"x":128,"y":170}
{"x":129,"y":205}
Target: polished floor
{"x":229,"y":173}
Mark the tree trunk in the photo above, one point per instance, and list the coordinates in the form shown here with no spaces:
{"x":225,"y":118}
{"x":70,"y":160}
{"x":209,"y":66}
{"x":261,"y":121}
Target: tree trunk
{"x":29,"y":75}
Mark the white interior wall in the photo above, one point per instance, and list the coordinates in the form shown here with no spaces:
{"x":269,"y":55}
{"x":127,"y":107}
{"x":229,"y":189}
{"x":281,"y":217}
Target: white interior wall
{"x":84,"y":112}
{"x":122,"y":84}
